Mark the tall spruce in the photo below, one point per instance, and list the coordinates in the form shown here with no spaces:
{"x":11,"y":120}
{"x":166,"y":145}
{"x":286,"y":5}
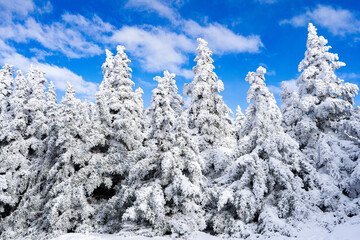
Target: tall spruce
{"x":208,"y":115}
{"x":166,"y":188}
{"x":312,"y":114}
{"x":270,"y":181}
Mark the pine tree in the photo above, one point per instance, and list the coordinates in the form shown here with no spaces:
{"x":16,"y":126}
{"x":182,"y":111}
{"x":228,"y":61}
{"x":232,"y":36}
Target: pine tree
{"x":270,"y":180}
{"x":120,"y":108}
{"x":71,"y":170}
{"x":35,"y":108}
{"x":239,"y":122}
{"x":7,"y":198}
{"x":23,"y":155}
{"x":207,"y":113}
{"x":166,"y":188}
{"x":122,"y":122}
{"x":311,"y":116}
{"x":6,"y":87}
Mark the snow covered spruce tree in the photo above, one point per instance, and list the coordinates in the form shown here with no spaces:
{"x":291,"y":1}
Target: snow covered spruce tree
{"x":25,"y":151}
{"x":120,"y":111}
{"x":25,"y":132}
{"x":6,"y":87}
{"x":270,"y":181}
{"x":311,"y":116}
{"x":208,"y":115}
{"x":164,"y":190}
{"x":63,"y":193}
{"x":7,"y":198}
{"x":29,"y":209}
{"x":239,"y":122}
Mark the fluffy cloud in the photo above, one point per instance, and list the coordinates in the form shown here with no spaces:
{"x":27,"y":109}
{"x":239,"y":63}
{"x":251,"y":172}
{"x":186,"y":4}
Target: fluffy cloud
{"x":155,"y":48}
{"x":56,"y":37}
{"x":221,"y":39}
{"x":20,"y":8}
{"x":157,"y":6}
{"x":338,"y":21}
{"x":95,"y":27}
{"x":59,"y":75}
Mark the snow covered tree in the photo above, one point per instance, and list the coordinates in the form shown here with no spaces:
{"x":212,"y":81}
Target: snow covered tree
{"x":270,"y":180}
{"x":239,"y":122}
{"x":208,"y":114}
{"x":52,"y":114}
{"x":120,"y":101}
{"x":312,"y":114}
{"x":6,"y":87}
{"x":35,"y":109}
{"x":25,"y":134}
{"x":165,"y":189}
{"x":72,"y":176}
{"x":6,"y":84}
{"x":122,"y":121}
{"x":120,"y":111}
{"x":350,"y":128}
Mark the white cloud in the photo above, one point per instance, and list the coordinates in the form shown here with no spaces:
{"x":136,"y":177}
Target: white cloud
{"x":338,"y":21}
{"x":40,"y":54}
{"x":146,"y":83}
{"x":292,"y":84}
{"x":20,"y":8}
{"x":156,"y":49}
{"x":56,"y":37}
{"x":162,"y":9}
{"x":59,"y":75}
{"x":221,"y":39}
{"x":266,"y":1}
{"x":46,"y":8}
{"x":350,"y":75}
{"x":276,"y":89}
{"x":96,"y":28}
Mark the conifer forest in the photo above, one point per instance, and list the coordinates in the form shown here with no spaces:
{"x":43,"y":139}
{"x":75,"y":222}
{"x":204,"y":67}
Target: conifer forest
{"x":112,"y":167}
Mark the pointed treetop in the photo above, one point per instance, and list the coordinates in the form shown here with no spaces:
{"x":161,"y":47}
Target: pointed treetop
{"x":238,"y":111}
{"x":69,"y":86}
{"x":120,"y":49}
{"x":122,"y":55}
{"x":51,"y":94}
{"x":169,"y":75}
{"x":202,"y":42}
{"x":70,"y":90}
{"x":256,"y":77}
{"x":7,"y":69}
{"x":168,"y":78}
{"x":312,"y":29}
{"x":21,"y":85}
{"x":109,"y":54}
{"x":139,"y":91}
{"x":19,"y":73}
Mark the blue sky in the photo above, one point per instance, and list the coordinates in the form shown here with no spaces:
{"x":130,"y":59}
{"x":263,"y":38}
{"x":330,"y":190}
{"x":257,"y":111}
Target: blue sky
{"x":66,"y":39}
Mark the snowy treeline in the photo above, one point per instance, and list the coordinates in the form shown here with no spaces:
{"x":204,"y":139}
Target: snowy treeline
{"x":113,"y":167}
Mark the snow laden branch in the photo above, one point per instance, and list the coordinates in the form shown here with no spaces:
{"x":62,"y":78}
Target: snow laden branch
{"x":114,"y":167}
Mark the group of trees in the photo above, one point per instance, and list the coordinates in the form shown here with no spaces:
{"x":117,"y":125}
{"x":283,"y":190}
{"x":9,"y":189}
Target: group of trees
{"x":170,"y":169}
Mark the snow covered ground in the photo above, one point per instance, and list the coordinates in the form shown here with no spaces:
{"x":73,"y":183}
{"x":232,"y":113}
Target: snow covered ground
{"x":347,"y":231}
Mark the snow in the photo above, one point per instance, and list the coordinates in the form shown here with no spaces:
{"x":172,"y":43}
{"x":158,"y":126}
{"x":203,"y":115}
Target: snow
{"x":347,"y":231}
{"x":112,"y":167}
